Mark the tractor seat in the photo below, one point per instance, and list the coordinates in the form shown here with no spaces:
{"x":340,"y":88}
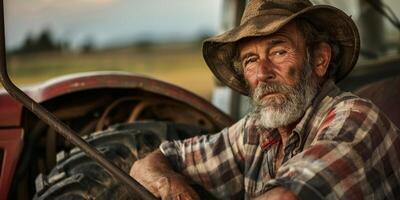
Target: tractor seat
{"x":386,"y":95}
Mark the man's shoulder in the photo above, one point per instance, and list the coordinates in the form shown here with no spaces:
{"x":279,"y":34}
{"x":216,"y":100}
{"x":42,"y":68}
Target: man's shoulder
{"x":334,"y":111}
{"x":348,"y":100}
{"x":332,"y":98}
{"x":349,"y":117}
{"x":348,"y":108}
{"x":347,"y":105}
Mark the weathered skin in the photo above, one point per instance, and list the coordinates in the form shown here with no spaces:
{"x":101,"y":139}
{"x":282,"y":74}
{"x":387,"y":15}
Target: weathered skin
{"x":155,"y":173}
{"x":263,"y":61}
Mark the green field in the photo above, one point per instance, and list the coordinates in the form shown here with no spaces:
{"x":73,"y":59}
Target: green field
{"x":181,"y":64}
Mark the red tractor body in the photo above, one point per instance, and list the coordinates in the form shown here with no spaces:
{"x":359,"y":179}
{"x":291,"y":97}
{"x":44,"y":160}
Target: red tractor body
{"x":64,"y":95}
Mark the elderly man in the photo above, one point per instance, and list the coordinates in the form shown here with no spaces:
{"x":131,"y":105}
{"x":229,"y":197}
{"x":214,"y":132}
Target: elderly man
{"x":305,"y":139}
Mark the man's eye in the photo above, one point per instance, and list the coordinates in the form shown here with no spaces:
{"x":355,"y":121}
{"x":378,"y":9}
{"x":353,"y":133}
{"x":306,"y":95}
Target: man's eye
{"x":250,"y":60}
{"x":279,"y":53}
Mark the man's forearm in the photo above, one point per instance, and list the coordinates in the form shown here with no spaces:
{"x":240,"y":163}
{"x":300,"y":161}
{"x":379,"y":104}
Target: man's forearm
{"x":155,"y":173}
{"x":149,"y":170}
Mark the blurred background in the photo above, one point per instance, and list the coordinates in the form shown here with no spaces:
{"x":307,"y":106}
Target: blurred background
{"x":158,"y":38}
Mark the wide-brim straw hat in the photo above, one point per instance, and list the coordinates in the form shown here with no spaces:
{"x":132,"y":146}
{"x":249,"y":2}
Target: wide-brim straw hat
{"x":265,"y":17}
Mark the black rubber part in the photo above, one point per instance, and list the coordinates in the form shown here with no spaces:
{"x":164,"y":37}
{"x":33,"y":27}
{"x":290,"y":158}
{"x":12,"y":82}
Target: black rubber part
{"x":77,"y":177}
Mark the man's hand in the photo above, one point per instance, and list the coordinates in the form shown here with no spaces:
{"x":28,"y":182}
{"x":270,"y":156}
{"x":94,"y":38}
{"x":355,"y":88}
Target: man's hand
{"x":277,"y":193}
{"x":157,"y":176}
{"x":175,"y":188}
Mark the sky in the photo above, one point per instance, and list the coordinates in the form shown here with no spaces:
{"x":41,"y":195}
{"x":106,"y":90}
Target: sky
{"x":108,"y":22}
{"x":111,"y":21}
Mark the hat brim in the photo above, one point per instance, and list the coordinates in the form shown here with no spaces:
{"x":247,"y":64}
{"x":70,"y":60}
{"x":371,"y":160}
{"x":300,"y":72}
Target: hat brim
{"x":218,"y":51}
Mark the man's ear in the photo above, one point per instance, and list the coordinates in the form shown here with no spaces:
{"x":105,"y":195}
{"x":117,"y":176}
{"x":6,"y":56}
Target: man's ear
{"x":321,"y":59}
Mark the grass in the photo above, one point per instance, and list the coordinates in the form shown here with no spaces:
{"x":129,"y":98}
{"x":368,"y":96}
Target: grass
{"x":181,"y":64}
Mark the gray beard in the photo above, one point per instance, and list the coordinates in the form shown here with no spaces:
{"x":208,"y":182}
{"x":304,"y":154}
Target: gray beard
{"x":282,"y":110}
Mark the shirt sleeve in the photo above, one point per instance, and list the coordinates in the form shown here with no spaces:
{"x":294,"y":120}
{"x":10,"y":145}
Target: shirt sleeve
{"x":353,"y":156}
{"x":213,"y":161}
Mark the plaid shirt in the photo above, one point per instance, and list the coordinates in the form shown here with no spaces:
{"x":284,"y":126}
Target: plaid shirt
{"x":344,"y":147}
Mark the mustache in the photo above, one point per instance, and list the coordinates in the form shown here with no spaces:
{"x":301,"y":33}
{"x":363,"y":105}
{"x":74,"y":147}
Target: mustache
{"x":264,"y":88}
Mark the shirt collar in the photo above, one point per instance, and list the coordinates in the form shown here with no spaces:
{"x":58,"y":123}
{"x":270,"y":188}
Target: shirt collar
{"x":328,"y":90}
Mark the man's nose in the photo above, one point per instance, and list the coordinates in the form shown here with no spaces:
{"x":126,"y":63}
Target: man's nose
{"x":265,"y":71}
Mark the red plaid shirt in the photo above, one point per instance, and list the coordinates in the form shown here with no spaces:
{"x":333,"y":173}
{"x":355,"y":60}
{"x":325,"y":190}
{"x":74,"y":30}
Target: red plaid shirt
{"x":344,"y":147}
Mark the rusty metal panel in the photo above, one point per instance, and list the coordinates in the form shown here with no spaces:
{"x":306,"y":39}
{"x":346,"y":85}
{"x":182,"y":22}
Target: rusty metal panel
{"x":10,"y":111}
{"x":11,"y":144}
{"x":94,"y":80}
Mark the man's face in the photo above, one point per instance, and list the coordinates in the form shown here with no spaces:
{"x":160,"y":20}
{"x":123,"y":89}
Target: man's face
{"x":279,"y":76}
